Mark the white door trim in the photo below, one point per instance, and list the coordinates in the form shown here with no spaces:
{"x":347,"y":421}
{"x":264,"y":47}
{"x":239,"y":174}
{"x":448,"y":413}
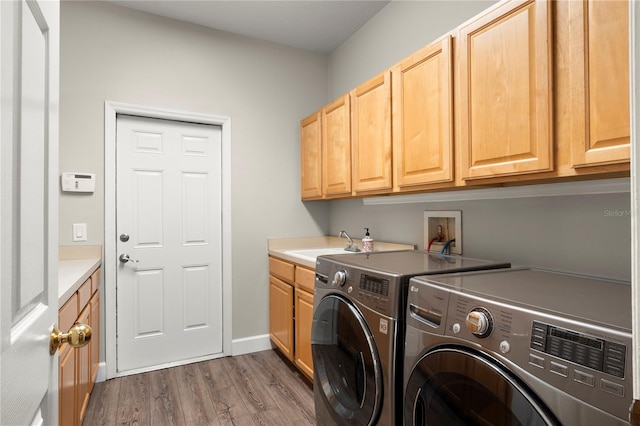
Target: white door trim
{"x":111,"y":109}
{"x":634,"y":93}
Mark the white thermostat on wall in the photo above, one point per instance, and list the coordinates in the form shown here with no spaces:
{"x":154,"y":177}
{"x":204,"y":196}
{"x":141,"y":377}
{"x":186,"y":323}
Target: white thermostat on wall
{"x":78,"y":182}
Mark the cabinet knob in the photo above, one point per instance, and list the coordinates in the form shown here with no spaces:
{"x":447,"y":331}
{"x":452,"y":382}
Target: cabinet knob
{"x":78,"y":336}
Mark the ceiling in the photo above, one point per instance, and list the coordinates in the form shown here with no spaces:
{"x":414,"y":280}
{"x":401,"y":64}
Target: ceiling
{"x":316,"y":25}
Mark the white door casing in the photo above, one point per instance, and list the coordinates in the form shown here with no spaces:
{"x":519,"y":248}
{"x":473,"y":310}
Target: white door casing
{"x":169,"y":296}
{"x":29,"y":210}
{"x":111,"y":263}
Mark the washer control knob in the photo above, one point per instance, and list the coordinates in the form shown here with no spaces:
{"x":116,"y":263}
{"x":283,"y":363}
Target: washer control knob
{"x":505,"y":347}
{"x":455,"y":328}
{"x":479,"y":322}
{"x":340,"y":278}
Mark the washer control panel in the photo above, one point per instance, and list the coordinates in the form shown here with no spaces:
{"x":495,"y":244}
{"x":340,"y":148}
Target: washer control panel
{"x":479,"y":322}
{"x":375,"y":290}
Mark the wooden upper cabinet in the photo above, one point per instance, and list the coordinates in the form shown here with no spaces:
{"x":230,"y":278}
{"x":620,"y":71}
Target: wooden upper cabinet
{"x":371,"y":135}
{"x":311,"y":157}
{"x":422,"y":117}
{"x":336,"y":148}
{"x":504,"y":71}
{"x":600,"y":129}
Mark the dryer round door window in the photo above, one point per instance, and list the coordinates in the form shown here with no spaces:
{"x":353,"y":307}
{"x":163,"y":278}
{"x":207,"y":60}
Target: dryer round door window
{"x":452,"y":387}
{"x":346,"y":362}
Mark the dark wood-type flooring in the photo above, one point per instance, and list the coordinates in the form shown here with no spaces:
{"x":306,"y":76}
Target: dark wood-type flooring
{"x":253,"y":389}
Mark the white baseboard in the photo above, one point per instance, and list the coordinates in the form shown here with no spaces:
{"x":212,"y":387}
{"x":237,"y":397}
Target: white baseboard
{"x":246,"y":345}
{"x":251,"y":344}
{"x":102,"y":372}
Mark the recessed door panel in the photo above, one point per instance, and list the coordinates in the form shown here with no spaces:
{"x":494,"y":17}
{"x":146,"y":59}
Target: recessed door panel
{"x":195,"y":189}
{"x":147,"y":201}
{"x":149,"y":303}
{"x":195,"y":279}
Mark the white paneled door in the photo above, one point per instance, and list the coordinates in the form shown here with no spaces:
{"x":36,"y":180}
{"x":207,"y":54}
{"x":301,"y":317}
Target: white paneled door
{"x":29,"y":206}
{"x":169,"y":239}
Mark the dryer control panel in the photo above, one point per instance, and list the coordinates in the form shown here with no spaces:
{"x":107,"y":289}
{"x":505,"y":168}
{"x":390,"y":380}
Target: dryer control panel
{"x":589,"y":351}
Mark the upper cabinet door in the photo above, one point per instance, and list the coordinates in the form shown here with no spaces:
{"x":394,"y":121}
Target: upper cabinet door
{"x":423,"y":117}
{"x":371,"y":134}
{"x":600,"y":82}
{"x":311,"y":157}
{"x":336,"y":148}
{"x":505,"y":100}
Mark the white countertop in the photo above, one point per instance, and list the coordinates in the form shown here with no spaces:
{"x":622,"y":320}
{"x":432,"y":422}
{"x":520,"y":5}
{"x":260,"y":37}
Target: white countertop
{"x":72,"y":274}
{"x":281,"y":247}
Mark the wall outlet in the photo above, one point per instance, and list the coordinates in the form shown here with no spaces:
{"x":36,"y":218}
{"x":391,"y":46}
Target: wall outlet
{"x":79,"y":232}
{"x":440,"y":227}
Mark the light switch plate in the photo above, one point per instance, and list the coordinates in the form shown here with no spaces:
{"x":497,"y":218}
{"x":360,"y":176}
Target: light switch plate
{"x":79,"y":232}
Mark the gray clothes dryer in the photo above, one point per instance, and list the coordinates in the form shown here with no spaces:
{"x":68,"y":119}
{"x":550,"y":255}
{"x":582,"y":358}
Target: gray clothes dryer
{"x":517,"y":347}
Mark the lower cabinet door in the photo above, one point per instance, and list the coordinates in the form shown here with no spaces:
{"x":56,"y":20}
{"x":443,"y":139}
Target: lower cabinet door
{"x":84,"y":369}
{"x":67,"y":381}
{"x":281,"y":315}
{"x":304,"y":319}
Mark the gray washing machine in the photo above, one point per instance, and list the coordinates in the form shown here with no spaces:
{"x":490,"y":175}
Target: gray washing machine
{"x":358,"y":331}
{"x":517,"y":347}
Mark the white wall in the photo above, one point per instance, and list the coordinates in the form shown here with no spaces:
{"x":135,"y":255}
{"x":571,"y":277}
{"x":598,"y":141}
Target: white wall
{"x":398,"y":30}
{"x":571,"y":233}
{"x":112,"y":53}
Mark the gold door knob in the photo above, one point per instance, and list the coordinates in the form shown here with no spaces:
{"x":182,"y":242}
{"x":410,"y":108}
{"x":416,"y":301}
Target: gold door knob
{"x":78,"y":336}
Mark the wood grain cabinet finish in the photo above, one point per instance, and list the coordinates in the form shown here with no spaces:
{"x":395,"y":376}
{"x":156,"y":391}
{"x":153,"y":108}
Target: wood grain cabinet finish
{"x":305,"y":283}
{"x":311,"y":157}
{"x":281,"y":315}
{"x":371,"y":135}
{"x":422,"y":103}
{"x":527,"y":91}
{"x":336,"y":148}
{"x":291,"y":312}
{"x":78,"y":368}
{"x":504,"y":72}
{"x":599,"y":31}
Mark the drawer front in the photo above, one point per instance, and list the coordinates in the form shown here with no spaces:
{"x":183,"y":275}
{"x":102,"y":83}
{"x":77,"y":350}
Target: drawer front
{"x":95,"y":281}
{"x":84,"y":294}
{"x":281,"y":269}
{"x":68,"y":313}
{"x":305,"y":279}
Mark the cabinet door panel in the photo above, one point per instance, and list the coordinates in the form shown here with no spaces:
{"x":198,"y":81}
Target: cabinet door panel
{"x":505,"y":91}
{"x":336,"y":147}
{"x":422,"y":116}
{"x":67,"y":382}
{"x":83,"y":371}
{"x":371,"y":134}
{"x":304,"y":320}
{"x":311,"y":157}
{"x":600,"y":57}
{"x":281,"y":315}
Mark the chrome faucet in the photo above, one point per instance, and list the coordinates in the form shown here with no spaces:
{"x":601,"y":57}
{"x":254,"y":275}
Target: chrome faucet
{"x":351,"y":246}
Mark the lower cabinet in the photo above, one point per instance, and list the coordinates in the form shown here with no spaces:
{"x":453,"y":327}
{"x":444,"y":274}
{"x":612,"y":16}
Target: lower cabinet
{"x":78,"y":368}
{"x":291,"y":312}
{"x":281,"y":315}
{"x":304,"y":320}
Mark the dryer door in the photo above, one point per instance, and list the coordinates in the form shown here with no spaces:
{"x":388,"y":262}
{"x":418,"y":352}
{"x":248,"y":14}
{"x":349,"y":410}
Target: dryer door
{"x":346,"y":366}
{"x":456,"y":386}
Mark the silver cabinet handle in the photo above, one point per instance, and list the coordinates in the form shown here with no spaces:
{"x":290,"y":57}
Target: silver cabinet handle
{"x":124,"y":258}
